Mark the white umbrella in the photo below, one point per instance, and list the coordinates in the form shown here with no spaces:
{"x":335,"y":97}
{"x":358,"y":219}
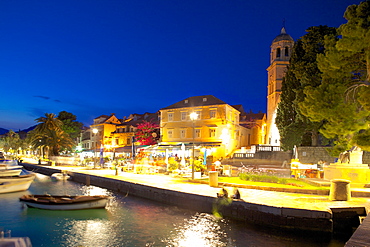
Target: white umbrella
{"x":182,"y":155}
{"x":295,"y":152}
{"x":166,"y":157}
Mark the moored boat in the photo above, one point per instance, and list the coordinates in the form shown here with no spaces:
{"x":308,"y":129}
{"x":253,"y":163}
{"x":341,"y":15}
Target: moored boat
{"x":17,"y":178}
{"x":10,"y":172}
{"x":14,"y":186}
{"x":60,"y":176}
{"x":16,"y":242}
{"x":65,"y":202}
{"x":10,"y":168}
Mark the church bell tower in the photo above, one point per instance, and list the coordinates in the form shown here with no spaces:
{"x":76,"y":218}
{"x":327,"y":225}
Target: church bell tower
{"x":281,"y":49}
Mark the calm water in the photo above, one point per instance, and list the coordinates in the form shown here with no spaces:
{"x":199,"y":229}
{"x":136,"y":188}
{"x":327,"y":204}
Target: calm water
{"x":131,"y":221}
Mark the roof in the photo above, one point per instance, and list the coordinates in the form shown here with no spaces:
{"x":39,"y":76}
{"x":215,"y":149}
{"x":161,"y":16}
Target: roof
{"x":194,"y":101}
{"x":135,"y":119}
{"x":283,"y":36}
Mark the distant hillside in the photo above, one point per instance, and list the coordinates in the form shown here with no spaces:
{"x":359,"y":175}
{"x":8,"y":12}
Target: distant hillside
{"x":29,"y":129}
{"x":3,"y":131}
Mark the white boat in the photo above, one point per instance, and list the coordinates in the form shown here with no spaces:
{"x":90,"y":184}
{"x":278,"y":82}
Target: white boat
{"x":14,"y":186}
{"x":65,"y":202}
{"x":18,"y":178}
{"x":10,"y":172}
{"x":15,"y":242}
{"x":10,"y":168}
{"x":60,"y":176}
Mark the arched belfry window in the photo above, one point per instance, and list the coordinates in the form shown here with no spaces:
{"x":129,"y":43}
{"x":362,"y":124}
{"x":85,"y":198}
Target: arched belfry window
{"x":286,"y":51}
{"x":278,"y":52}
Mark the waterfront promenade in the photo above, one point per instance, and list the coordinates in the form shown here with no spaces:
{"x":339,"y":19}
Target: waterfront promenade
{"x":269,"y":197}
{"x":297,"y":210}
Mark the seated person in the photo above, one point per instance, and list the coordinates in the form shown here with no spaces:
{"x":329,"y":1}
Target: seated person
{"x":236,"y":194}
{"x":223,"y":193}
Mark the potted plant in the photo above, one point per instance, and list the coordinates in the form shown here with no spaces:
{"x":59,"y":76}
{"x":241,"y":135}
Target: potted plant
{"x":199,"y":168}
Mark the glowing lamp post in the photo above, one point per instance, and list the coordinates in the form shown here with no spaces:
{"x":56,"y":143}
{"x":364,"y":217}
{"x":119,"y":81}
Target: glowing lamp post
{"x":193,"y":117}
{"x":95,"y":131}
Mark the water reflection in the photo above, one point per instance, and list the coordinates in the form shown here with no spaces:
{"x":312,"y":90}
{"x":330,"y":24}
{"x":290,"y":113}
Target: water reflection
{"x":201,"y":230}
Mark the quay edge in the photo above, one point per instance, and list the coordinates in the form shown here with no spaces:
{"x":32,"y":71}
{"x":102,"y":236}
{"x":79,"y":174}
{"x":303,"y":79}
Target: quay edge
{"x":265,"y":215}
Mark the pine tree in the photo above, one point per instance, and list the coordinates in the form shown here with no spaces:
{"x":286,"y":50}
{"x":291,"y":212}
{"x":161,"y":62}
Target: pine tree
{"x":294,"y":127}
{"x":341,"y":102}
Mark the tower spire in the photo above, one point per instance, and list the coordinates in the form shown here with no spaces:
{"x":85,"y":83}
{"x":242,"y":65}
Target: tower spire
{"x":283,"y":28}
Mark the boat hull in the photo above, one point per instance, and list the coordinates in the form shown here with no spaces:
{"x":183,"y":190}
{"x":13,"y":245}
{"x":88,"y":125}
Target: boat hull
{"x":11,"y":172}
{"x":17,"y":178}
{"x":14,"y":186}
{"x":65,"y":202}
{"x":60,"y":176}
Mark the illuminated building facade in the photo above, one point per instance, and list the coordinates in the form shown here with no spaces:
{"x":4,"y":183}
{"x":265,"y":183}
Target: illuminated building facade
{"x":112,"y":133}
{"x":103,"y":125}
{"x":281,"y":49}
{"x":216,"y":125}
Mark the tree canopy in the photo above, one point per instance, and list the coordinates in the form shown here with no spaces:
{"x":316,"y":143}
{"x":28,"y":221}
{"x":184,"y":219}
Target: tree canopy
{"x":146,"y":133}
{"x":50,"y":135}
{"x":70,"y":125}
{"x":294,"y":127}
{"x":341,"y":101}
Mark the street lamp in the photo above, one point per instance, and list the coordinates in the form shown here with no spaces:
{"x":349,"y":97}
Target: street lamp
{"x":95,"y":131}
{"x":193,"y":117}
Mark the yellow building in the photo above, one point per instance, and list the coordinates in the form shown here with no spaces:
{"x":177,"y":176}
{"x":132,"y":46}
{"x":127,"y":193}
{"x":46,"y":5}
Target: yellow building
{"x":215,"y":126}
{"x":256,"y":122}
{"x":101,"y":131}
{"x":111,"y":133}
{"x":281,"y":49}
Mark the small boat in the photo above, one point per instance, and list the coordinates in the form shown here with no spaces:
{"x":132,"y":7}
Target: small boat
{"x":17,"y":178}
{"x":65,"y":202}
{"x":6,"y":240}
{"x":10,"y":172}
{"x":10,"y":168}
{"x":59,"y":176}
{"x":16,"y":242}
{"x":14,"y":186}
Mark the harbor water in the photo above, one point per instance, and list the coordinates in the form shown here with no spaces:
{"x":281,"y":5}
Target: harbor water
{"x":132,"y":221}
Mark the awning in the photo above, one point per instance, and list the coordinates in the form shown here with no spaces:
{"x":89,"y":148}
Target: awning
{"x":211,"y":125}
{"x":128,"y":149}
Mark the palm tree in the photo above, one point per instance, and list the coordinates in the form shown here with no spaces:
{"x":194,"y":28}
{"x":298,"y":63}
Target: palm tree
{"x":52,"y":141}
{"x":49,"y":136}
{"x":50,"y":121}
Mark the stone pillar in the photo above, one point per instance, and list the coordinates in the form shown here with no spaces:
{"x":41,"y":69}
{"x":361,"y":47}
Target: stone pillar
{"x":340,"y":190}
{"x":213,"y":178}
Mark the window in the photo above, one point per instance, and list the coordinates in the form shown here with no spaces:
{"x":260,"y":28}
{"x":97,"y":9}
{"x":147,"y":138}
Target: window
{"x":212,"y":133}
{"x":170,"y":133}
{"x":278,"y":52}
{"x":128,"y":141}
{"x":197,"y":133}
{"x":183,"y":116}
{"x":198,"y":113}
{"x":183,"y":133}
{"x":170,"y":117}
{"x":212,"y":113}
{"x":186,"y":101}
{"x":286,"y":51}
{"x":204,"y":99}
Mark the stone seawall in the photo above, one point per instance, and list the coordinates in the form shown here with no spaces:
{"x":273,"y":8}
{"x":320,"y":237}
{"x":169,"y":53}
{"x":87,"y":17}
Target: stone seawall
{"x":288,"y":218}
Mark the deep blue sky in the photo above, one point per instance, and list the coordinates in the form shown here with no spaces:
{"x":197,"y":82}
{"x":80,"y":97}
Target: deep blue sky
{"x":94,"y":57}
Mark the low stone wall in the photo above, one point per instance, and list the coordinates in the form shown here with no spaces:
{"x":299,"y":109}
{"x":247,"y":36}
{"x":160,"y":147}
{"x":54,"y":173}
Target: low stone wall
{"x":64,"y":160}
{"x":314,"y":154}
